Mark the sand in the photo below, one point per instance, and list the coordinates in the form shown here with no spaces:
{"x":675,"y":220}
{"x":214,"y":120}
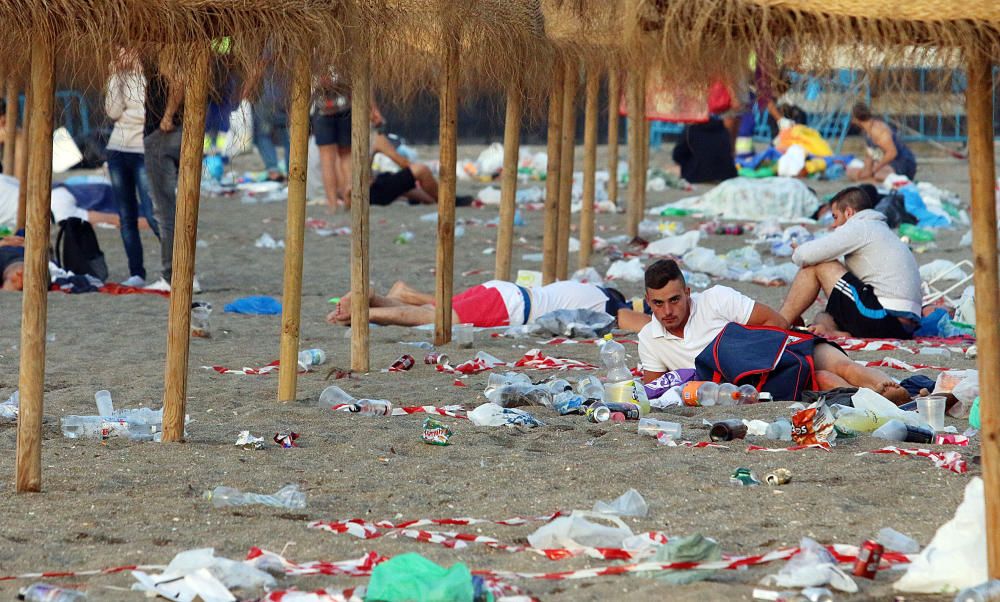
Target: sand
{"x":119,"y":502}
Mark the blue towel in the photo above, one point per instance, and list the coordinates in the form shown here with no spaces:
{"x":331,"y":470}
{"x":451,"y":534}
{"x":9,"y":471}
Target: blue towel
{"x":265,"y":306}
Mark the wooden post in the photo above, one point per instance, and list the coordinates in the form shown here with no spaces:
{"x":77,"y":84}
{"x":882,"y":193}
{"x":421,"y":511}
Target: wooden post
{"x":445,"y":276}
{"x":361,"y":166}
{"x":635,"y":120}
{"x":570,"y":86}
{"x":291,"y":298}
{"x":185,"y":237}
{"x":982,"y":178}
{"x":10,"y":132}
{"x":34,"y":302}
{"x":550,"y":232}
{"x":644,"y":152}
{"x":508,"y":183}
{"x":589,"y":167}
{"x":21,"y":152}
{"x":614,"y":98}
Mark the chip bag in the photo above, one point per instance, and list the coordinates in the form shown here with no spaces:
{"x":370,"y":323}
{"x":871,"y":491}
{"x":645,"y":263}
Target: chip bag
{"x":435,"y":433}
{"x":813,"y":425}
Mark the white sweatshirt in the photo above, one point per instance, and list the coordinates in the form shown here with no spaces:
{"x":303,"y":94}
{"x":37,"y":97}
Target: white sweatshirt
{"x":124,"y":102}
{"x":874,"y":254}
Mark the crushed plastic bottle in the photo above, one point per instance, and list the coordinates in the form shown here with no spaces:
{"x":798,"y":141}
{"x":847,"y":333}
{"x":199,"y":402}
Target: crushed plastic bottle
{"x":43,"y":592}
{"x":372,"y":407}
{"x":984,"y":592}
{"x":779,"y":430}
{"x":311,"y":357}
{"x":590,"y":388}
{"x":897,"y":430}
{"x":288,"y":497}
{"x":10,"y":408}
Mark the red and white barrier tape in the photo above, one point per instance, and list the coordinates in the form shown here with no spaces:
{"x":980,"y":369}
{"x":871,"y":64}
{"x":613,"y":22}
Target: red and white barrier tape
{"x":246,"y":371}
{"x":85,"y":573}
{"x":849,"y":344}
{"x":823,"y":446}
{"x":455,"y":411}
{"x":951,"y":460}
{"x":350,"y":594}
{"x":950,"y":439}
{"x":665,"y":439}
{"x":891,"y":362}
{"x":473,"y":366}
{"x":536,"y":360}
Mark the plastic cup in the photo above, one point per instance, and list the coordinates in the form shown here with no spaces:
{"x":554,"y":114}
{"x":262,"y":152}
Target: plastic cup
{"x":334,"y":395}
{"x":201,"y":313}
{"x":104,"y":405}
{"x":931,"y":409}
{"x":653,"y":427}
{"x":464,"y":335}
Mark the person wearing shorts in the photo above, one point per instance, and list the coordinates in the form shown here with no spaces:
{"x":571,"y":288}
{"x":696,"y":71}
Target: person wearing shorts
{"x":874,"y":293}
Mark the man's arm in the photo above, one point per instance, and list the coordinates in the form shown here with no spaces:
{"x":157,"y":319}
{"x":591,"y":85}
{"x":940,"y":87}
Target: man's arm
{"x":382,"y":145}
{"x":632,"y":320}
{"x":836,"y":244}
{"x":649,"y":376}
{"x":763,"y":315}
{"x":882,"y":137}
{"x":175,"y":96}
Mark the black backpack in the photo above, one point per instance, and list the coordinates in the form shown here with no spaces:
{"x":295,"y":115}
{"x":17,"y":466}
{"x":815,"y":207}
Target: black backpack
{"x":77,"y":249}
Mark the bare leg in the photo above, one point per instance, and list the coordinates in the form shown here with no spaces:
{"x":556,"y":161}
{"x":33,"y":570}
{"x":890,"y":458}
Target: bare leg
{"x":423,"y":175}
{"x":825,"y":326}
{"x":420,"y":196}
{"x":807,"y":285}
{"x":632,"y":320}
{"x":344,"y":172}
{"x":406,"y":293}
{"x":328,"y":165}
{"x":405,"y":315}
{"x":829,"y":358}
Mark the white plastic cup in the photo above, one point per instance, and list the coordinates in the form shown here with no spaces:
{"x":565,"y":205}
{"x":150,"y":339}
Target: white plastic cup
{"x":104,"y":405}
{"x":931,"y":409}
{"x":653,"y":427}
{"x":464,"y":335}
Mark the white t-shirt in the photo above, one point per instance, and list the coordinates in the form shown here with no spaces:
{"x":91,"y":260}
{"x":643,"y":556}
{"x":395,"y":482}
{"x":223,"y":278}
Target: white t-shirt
{"x":63,"y":202}
{"x":566,"y":294}
{"x":711,"y":310}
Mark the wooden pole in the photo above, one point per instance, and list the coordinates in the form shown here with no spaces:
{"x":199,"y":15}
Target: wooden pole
{"x":570,"y":85}
{"x":445,"y":276}
{"x":291,"y":298}
{"x":21,"y":152}
{"x":982,"y":178}
{"x":361,"y":100}
{"x":634,"y":154}
{"x":550,"y":232}
{"x":614,"y":98}
{"x":34,"y":302}
{"x":10,"y":132}
{"x":589,"y":167}
{"x":644,"y":149}
{"x":185,"y":237}
{"x":508,"y":184}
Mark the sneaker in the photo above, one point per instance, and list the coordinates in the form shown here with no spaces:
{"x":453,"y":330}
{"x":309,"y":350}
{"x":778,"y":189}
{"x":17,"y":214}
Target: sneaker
{"x":160,"y":285}
{"x":134,"y":281}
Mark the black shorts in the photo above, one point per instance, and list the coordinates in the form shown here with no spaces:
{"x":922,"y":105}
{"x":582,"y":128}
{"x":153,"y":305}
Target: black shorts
{"x":387,"y":187}
{"x":333,"y":129}
{"x":855,"y":308}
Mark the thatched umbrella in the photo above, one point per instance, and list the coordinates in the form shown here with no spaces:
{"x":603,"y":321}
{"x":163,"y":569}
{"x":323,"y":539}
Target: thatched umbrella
{"x":713,"y":35}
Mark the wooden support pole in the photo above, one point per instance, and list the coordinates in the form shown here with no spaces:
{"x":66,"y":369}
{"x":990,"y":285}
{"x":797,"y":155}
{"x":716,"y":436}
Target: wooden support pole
{"x":614,"y":99}
{"x":635,"y":120}
{"x":21,"y":153}
{"x":185,"y":237}
{"x":982,"y":178}
{"x":445,"y":276}
{"x":508,"y":184}
{"x":361,"y":166}
{"x":589,"y":167}
{"x":644,"y":148}
{"x":291,"y":298}
{"x":571,"y":82}
{"x":34,"y":301}
{"x":550,"y":231}
{"x":10,"y":132}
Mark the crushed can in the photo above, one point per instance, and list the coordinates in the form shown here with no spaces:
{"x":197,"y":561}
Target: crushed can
{"x":601,"y":411}
{"x":869,"y":557}
{"x":779,"y":476}
{"x":286,"y":440}
{"x":402,"y":363}
{"x":436,"y":358}
{"x":744,"y":477}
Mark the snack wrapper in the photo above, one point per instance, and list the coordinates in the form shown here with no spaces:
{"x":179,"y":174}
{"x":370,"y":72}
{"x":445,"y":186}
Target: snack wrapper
{"x":248,"y":441}
{"x":286,"y":440}
{"x":813,"y":425}
{"x":435,"y":433}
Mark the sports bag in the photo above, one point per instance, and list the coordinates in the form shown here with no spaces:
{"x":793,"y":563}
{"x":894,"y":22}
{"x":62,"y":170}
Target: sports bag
{"x":77,"y":249}
{"x":774,"y":360}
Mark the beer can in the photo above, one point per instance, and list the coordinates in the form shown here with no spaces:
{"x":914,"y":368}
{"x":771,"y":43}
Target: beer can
{"x":402,"y":363}
{"x":869,"y":557}
{"x":601,"y":412}
{"x":435,"y":357}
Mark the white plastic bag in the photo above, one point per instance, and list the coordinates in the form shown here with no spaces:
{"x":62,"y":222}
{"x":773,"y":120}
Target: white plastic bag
{"x":956,"y":557}
{"x":631,"y":270}
{"x":791,"y":164}
{"x":490,"y":161}
{"x":965,"y":312}
{"x":576,"y":531}
{"x":811,"y":567}
{"x":866,"y":399}
{"x":239,"y":138}
{"x":630,"y":503}
{"x":700,"y":259}
{"x":943,"y":268}
{"x":675,"y":245}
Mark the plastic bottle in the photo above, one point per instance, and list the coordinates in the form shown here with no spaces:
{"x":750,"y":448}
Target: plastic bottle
{"x":569,"y":402}
{"x":856,"y":420}
{"x":748,"y":394}
{"x":779,"y":430}
{"x":93,"y":427}
{"x":700,"y":393}
{"x":43,"y":592}
{"x":984,"y":592}
{"x":10,"y":408}
{"x":104,"y":405}
{"x":558,"y":385}
{"x":334,"y":395}
{"x":372,"y":407}
{"x":728,"y":395}
{"x":288,"y":497}
{"x":590,"y":388}
{"x":653,"y":427}
{"x":613,"y":357}
{"x":311,"y":357}
{"x":915,"y":233}
{"x":897,"y":430}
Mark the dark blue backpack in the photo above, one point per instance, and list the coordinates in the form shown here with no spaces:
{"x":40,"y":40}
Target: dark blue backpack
{"x":777,"y":361}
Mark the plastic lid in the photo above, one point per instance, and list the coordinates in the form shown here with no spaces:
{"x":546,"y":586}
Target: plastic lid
{"x":608,"y":337}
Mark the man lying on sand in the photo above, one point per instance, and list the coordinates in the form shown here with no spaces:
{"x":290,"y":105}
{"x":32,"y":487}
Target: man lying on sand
{"x":12,"y":263}
{"x":493,"y":303}
{"x":874,"y":293}
{"x":684,"y":324}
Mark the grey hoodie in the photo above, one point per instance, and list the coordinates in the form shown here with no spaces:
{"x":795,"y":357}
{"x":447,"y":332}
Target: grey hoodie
{"x":874,"y":254}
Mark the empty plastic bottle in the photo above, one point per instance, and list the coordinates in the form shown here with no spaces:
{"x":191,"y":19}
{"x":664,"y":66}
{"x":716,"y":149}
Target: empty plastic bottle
{"x":288,"y":497}
{"x":590,"y":387}
{"x":558,"y":385}
{"x":372,"y":407}
{"x":728,"y":395}
{"x":93,"y":427}
{"x":311,"y":357}
{"x":334,"y":395}
{"x":779,"y":430}
{"x":43,"y":592}
{"x":104,"y":405}
{"x":613,"y":357}
{"x":748,"y":394}
{"x":569,"y":402}
{"x":897,"y":430}
{"x":10,"y":408}
{"x":984,"y":592}
{"x":700,"y":393}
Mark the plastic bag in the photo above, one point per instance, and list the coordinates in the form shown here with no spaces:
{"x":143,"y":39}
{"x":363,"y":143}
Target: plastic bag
{"x":629,"y":503}
{"x":700,"y":259}
{"x":675,"y":245}
{"x":254,"y":305}
{"x":811,"y":567}
{"x":412,"y":577}
{"x":866,"y":399}
{"x":576,"y":531}
{"x":576,"y":323}
{"x":813,"y":425}
{"x":588,"y":275}
{"x":941,"y":268}
{"x":631,"y":271}
{"x":956,"y":557}
{"x":490,"y":414}
{"x":792,"y":163}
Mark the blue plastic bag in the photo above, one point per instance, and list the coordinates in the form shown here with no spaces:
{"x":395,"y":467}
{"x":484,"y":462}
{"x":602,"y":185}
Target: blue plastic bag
{"x":265,"y":306}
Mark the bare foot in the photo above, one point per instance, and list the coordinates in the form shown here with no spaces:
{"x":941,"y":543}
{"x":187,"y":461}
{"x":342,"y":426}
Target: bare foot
{"x":339,"y":319}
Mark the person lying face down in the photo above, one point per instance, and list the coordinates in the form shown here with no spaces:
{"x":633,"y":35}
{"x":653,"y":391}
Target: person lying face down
{"x":12,"y":263}
{"x":493,"y":303}
{"x":684,"y":324}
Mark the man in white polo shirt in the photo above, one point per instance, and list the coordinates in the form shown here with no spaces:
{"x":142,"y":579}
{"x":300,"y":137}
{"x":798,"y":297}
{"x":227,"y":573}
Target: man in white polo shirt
{"x":684,"y":324}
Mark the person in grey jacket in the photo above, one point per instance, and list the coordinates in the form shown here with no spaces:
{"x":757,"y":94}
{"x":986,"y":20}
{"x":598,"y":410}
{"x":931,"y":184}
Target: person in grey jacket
{"x":874,"y":292}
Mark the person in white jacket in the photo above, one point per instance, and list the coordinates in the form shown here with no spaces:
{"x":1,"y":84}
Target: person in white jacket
{"x":874,"y":292}
{"x":123,"y":103}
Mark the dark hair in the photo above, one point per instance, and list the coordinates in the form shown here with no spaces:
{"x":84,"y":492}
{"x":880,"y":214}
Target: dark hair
{"x":662,"y":272}
{"x":861,"y":112}
{"x":854,"y":197}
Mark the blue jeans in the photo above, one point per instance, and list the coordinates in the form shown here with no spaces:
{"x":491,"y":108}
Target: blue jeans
{"x":130,"y":187}
{"x":270,"y":125}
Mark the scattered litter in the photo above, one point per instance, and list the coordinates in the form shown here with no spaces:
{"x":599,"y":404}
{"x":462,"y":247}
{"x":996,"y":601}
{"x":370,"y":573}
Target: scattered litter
{"x":259,"y":305}
{"x":286,"y":440}
{"x":9,"y":409}
{"x":743,"y":477}
{"x":288,"y":497}
{"x":813,"y":566}
{"x":491,"y":414}
{"x":267,"y":242}
{"x":435,"y":433}
{"x":629,"y":503}
{"x":200,"y":574}
{"x":894,"y":540}
{"x":779,"y":476}
{"x":248,"y":441}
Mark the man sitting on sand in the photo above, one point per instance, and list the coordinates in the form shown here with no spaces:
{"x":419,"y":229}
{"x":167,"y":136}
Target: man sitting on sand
{"x":12,"y":263}
{"x":874,"y":293}
{"x":685,"y":324}
{"x":493,"y":303}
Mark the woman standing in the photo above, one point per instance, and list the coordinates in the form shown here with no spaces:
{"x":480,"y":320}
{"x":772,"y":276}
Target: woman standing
{"x":123,"y":102}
